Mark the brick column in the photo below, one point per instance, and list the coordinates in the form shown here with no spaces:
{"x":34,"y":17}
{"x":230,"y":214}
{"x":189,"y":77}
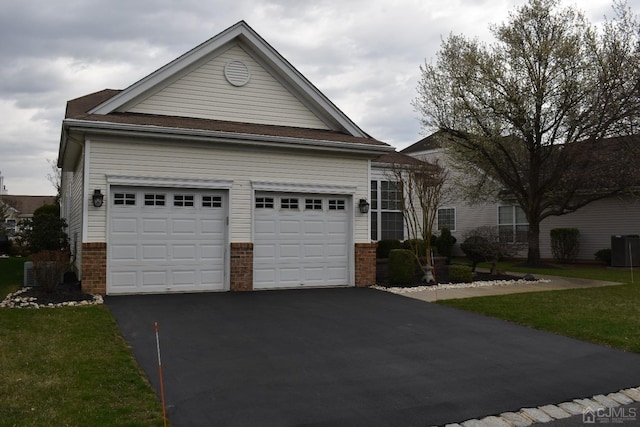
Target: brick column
{"x":94,"y":268}
{"x":365,"y":264}
{"x":241,"y":267}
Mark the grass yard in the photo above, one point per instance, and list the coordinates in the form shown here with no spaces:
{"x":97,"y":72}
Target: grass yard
{"x":68,"y":366}
{"x":607,"y":315}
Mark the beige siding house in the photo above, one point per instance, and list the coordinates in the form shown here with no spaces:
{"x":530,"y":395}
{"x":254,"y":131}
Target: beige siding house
{"x":597,"y":222}
{"x":226,"y":169}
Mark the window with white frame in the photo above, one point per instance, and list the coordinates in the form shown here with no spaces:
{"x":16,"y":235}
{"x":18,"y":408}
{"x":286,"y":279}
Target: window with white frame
{"x":387,"y":220}
{"x":447,"y":218}
{"x":512,"y":223}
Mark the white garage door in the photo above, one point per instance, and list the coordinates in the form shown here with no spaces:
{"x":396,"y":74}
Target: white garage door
{"x":165,"y":240}
{"x":301,"y":240}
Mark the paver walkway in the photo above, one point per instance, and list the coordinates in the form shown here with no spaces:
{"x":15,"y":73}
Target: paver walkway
{"x":555,"y":283}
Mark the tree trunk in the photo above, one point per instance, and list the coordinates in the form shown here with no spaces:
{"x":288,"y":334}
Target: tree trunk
{"x":533,"y":239}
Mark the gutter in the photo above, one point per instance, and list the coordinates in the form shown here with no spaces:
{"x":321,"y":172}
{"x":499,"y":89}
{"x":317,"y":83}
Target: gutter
{"x":200,"y":135}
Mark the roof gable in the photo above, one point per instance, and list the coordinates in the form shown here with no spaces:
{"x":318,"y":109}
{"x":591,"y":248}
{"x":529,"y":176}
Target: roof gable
{"x":26,"y":205}
{"x":196,"y":83}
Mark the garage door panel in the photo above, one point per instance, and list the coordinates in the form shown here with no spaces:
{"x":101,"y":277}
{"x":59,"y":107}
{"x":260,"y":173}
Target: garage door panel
{"x":155,"y":226}
{"x":336,"y":250}
{"x":154,"y":278}
{"x":124,"y":279}
{"x":289,"y":251}
{"x":166,"y":248}
{"x":212,"y":252}
{"x":183,"y":277}
{"x":154,"y":252}
{"x":289,"y":228}
{"x":183,"y":252}
{"x":124,"y":252}
{"x":210,"y":227}
{"x":184,"y":227}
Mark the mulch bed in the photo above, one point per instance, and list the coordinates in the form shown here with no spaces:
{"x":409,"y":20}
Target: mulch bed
{"x":63,"y":293}
{"x":441,"y":276}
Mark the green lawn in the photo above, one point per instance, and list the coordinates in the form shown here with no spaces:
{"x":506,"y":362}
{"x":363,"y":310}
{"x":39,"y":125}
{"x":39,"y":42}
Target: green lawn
{"x":68,"y":366}
{"x":607,"y":315}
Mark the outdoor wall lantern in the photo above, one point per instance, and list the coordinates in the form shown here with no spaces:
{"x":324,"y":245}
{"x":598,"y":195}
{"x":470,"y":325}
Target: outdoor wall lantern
{"x":97,"y":198}
{"x":364,"y":206}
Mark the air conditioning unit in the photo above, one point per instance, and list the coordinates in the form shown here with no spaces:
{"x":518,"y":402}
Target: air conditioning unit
{"x":625,"y":250}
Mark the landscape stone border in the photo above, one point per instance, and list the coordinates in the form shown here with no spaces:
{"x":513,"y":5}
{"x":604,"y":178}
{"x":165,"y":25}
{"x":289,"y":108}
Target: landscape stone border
{"x":544,"y":414}
{"x":15,"y":300}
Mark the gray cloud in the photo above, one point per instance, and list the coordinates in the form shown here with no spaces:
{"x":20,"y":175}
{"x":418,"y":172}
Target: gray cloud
{"x":363,"y":54}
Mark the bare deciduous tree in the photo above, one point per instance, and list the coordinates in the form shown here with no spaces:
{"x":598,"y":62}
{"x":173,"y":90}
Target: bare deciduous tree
{"x":533,"y":114}
{"x":422,"y":184}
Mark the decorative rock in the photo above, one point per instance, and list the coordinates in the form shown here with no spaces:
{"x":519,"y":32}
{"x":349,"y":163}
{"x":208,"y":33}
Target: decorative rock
{"x":517,"y":420}
{"x":604,"y":400}
{"x":493,"y":283}
{"x":536,"y":415}
{"x":572,"y":408}
{"x":588,"y":403}
{"x":620,"y":397}
{"x":554,"y":412}
{"x":473,"y":423}
{"x":495,"y":422}
{"x":633,"y":393}
{"x":453,"y":425}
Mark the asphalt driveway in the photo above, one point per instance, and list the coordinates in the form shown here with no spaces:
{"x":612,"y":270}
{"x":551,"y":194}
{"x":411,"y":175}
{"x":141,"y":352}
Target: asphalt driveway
{"x":352,"y":357}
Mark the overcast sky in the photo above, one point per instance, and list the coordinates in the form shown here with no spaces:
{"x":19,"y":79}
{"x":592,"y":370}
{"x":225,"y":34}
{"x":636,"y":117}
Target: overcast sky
{"x":363,"y":54}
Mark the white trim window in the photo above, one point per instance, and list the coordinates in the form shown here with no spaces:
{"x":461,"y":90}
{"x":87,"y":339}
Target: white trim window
{"x":387,"y":220}
{"x":447,"y":218}
{"x":512,"y":223}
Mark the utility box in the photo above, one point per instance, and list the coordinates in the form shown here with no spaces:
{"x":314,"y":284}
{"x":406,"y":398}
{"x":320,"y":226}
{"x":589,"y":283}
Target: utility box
{"x":625,"y":250}
{"x":29,"y":279}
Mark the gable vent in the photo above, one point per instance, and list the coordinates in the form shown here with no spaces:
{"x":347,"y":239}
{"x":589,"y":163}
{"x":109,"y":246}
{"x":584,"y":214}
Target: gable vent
{"x":237,"y":73}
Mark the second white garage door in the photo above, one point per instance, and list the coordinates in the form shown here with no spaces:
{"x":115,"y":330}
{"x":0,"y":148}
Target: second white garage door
{"x":166,"y":240}
{"x":301,"y":240}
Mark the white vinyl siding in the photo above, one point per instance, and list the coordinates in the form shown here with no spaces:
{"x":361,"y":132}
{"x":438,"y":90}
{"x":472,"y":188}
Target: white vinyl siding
{"x":597,"y":222}
{"x":74,"y":193}
{"x":205,"y":93}
{"x":240,"y":166}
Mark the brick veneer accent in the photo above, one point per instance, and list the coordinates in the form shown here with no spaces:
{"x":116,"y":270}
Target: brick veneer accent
{"x":94,"y":268}
{"x":365,"y":264}
{"x":241,"y":267}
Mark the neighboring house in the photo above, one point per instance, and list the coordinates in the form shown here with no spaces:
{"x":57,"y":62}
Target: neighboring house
{"x":597,"y":222}
{"x":18,"y":208}
{"x":226,"y":169}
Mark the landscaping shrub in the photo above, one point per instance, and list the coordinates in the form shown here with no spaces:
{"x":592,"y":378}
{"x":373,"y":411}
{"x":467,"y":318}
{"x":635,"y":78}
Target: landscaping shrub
{"x":384,"y":246}
{"x":445,"y":243}
{"x":565,"y":244}
{"x":604,"y":255}
{"x":474,"y":249}
{"x":483,"y":244}
{"x":460,"y":273}
{"x":416,"y":244}
{"x":401,"y":266}
{"x":45,"y":231}
{"x":49,"y":268}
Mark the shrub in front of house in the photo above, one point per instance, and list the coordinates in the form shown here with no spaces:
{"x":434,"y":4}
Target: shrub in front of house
{"x":460,"y":274}
{"x":565,"y":244}
{"x":49,"y":267}
{"x":604,"y":255}
{"x":401,"y":267}
{"x":445,"y":243}
{"x":385,"y":246}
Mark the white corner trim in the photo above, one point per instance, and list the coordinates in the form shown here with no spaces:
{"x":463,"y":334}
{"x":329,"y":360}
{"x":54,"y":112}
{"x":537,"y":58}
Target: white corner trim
{"x":288,"y":187}
{"x":85,"y":191}
{"x":154,"y":181}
